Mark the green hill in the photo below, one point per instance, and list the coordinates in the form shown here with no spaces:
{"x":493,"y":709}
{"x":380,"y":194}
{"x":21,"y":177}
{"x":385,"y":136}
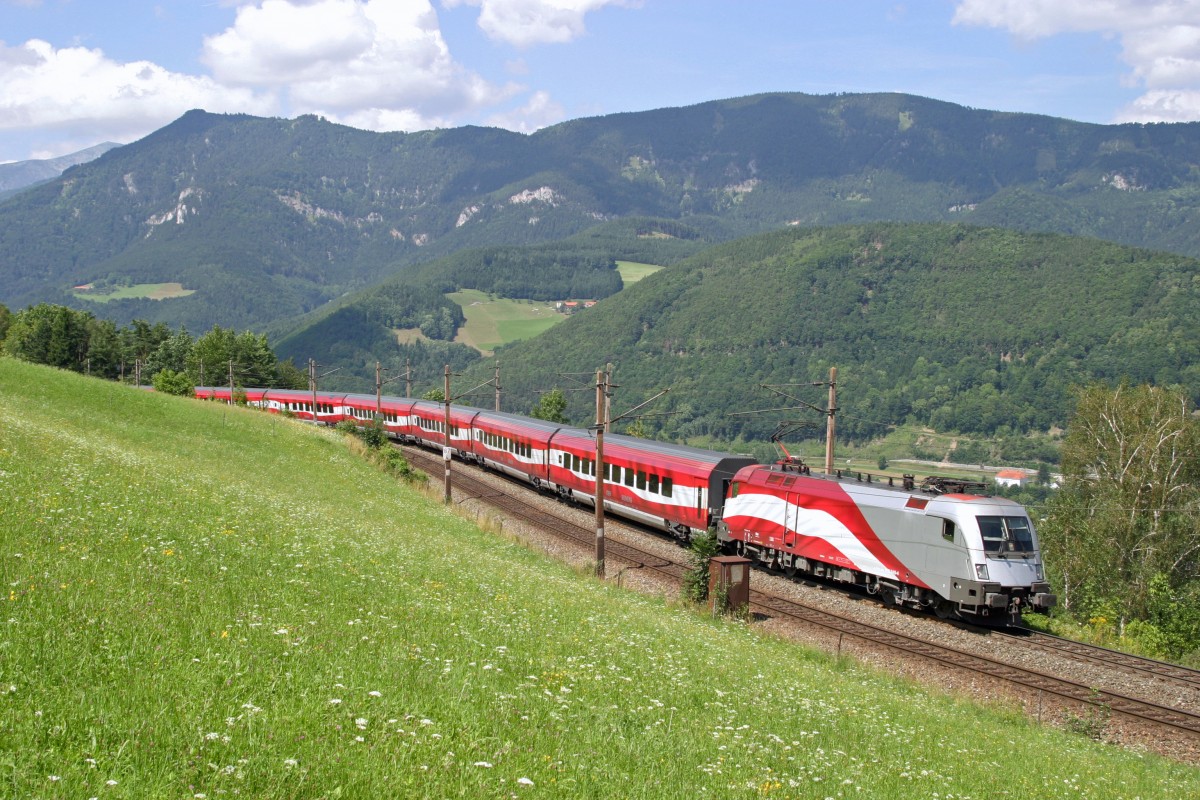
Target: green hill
{"x":206,"y":601}
{"x":268,"y":219}
{"x":947,"y":326}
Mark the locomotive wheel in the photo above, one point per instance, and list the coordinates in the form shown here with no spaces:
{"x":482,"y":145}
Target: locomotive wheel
{"x":944,"y":610}
{"x":888,"y":596}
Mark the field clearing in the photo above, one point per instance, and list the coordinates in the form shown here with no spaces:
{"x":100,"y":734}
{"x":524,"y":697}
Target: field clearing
{"x":205,"y":601}
{"x":492,"y":322}
{"x":633,"y":271}
{"x":147,"y":291}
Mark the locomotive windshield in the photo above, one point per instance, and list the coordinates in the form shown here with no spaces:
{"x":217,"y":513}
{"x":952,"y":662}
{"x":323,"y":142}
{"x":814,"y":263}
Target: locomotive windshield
{"x":1003,"y":535}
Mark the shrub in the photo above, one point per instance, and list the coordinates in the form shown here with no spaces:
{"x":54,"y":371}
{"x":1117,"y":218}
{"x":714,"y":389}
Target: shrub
{"x":695,"y":582}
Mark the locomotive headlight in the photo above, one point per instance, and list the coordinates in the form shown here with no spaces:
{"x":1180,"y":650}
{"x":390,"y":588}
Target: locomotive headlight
{"x":981,"y":572}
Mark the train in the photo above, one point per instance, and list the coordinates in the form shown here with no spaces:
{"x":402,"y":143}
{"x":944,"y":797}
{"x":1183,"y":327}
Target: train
{"x":940,"y":545}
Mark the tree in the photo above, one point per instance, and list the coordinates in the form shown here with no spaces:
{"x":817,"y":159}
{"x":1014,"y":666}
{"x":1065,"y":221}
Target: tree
{"x":1129,"y":509}
{"x":168,"y":381}
{"x":551,"y":407}
{"x":5,"y":322}
{"x":435,"y":394}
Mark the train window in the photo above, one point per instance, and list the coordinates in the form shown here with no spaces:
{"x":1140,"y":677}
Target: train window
{"x":641,"y":479}
{"x":948,"y":530}
{"x":1006,"y":534}
{"x":666,"y":486}
{"x":653,"y":483}
{"x":575,"y":463}
{"x":628,"y":477}
{"x":608,"y":472}
{"x":733,"y":491}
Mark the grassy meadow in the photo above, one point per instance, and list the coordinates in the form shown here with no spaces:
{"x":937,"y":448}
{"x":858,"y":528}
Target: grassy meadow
{"x":150,"y":291}
{"x":206,"y":602}
{"x":634,"y":271}
{"x":493,"y":321}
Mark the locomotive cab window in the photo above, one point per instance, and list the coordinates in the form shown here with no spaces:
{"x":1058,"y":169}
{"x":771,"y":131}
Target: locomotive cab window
{"x":1004,"y":535}
{"x":948,"y":530}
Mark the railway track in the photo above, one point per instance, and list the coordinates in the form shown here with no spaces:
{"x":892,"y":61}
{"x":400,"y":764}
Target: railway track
{"x":1107,"y":702}
{"x":1149,"y":668}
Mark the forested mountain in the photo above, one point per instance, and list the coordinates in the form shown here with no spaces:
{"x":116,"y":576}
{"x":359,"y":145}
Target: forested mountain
{"x":267,"y":219}
{"x":18,"y":175}
{"x":955,"y":327}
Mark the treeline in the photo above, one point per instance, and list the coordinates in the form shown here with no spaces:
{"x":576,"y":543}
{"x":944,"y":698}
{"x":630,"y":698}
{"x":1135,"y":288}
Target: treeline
{"x":550,"y":272}
{"x":172,"y":361}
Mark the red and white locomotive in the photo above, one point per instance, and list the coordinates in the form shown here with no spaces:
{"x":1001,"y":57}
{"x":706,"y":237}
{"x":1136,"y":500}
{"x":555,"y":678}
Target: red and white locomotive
{"x":935,"y":546}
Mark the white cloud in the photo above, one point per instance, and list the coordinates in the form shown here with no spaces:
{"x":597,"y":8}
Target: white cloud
{"x":76,"y":89}
{"x":1160,"y":42}
{"x":539,"y":112}
{"x":379,"y":64}
{"x":529,"y":22}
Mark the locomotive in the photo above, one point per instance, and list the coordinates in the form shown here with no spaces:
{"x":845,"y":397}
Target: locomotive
{"x":933,"y":546}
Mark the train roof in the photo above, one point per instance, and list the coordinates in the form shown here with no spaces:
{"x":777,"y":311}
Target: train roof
{"x":933,"y":487}
{"x":518,"y":420}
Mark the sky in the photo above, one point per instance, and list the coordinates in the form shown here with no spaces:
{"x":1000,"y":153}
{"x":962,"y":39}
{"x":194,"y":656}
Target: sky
{"x":74,"y":73}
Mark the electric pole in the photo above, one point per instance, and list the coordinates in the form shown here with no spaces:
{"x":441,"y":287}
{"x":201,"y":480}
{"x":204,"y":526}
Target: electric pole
{"x":829,"y":425}
{"x":497,"y":385}
{"x":446,"y":451}
{"x":601,"y":424}
{"x":604,"y":418}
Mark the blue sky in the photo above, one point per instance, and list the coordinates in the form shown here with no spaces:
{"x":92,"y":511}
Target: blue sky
{"x":77,"y":72}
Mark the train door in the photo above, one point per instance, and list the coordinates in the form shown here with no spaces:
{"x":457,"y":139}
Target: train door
{"x":790,"y":513}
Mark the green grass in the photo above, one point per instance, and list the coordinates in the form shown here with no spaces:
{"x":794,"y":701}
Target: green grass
{"x":207,"y":602}
{"x":633,"y":271}
{"x":153,"y":291}
{"x":492,"y":321}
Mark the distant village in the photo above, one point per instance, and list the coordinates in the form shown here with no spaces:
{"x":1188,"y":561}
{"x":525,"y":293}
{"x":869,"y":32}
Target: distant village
{"x":571,"y":306}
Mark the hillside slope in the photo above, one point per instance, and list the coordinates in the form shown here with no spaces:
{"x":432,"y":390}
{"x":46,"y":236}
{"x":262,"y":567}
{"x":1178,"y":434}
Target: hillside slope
{"x":210,"y":601}
{"x":267,"y":219}
{"x":203,"y":600}
{"x":951,"y":326}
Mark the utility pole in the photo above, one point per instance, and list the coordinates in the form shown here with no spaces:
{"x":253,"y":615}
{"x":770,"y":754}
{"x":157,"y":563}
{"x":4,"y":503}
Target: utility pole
{"x":379,"y":382}
{"x":407,"y":379}
{"x":497,"y":385}
{"x":312,"y":385}
{"x":601,"y":424}
{"x":313,"y":366}
{"x":231,"y":382}
{"x":829,"y":426}
{"x":446,"y":451}
{"x":603,"y":419}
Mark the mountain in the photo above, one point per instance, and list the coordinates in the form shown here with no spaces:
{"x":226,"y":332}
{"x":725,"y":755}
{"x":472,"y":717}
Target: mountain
{"x":18,"y":175}
{"x":267,"y":219}
{"x":979,"y":330}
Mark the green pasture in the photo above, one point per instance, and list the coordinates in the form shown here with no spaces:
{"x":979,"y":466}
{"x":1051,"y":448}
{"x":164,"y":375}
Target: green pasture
{"x":202,"y":601}
{"x":151,"y":291}
{"x":633,"y":271}
{"x":493,"y":321}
